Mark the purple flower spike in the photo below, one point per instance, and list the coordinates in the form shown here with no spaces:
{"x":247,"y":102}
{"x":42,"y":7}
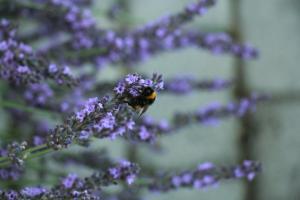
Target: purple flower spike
{"x":133,"y":84}
{"x":90,"y":107}
{"x":199,"y":7}
{"x":33,"y":191}
{"x":206,"y":166}
{"x":144,"y":134}
{"x":207,"y":174}
{"x":19,"y":65}
{"x":125,"y":170}
{"x":69,"y":181}
{"x":184,"y":84}
{"x":74,"y":187}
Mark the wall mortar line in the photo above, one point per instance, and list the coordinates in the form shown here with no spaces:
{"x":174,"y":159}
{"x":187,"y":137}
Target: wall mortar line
{"x":247,"y":129}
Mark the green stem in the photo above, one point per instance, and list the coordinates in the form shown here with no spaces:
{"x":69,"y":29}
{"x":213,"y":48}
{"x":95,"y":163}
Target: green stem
{"x":28,"y":154}
{"x":143,"y":182}
{"x":14,"y":105}
{"x":85,"y":53}
{"x":35,"y":6}
{"x":31,"y":5}
{"x":33,"y":152}
{"x":41,"y":150}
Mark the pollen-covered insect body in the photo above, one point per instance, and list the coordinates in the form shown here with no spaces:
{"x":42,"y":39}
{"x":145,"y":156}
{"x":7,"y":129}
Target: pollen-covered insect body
{"x":141,"y":102}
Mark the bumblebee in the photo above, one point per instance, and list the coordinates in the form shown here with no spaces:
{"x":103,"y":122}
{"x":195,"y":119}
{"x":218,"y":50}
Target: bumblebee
{"x":143,"y":101}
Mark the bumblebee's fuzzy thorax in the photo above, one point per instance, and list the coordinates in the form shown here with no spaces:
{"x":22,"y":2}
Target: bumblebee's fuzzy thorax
{"x":152,"y":96}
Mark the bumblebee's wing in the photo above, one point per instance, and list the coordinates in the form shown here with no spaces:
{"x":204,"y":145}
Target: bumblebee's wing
{"x":143,"y":110}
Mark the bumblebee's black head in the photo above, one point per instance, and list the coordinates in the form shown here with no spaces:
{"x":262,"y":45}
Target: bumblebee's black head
{"x":149,"y":94}
{"x":148,"y":91}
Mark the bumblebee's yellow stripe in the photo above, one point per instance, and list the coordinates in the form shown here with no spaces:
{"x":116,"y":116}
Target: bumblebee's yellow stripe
{"x":151,"y":96}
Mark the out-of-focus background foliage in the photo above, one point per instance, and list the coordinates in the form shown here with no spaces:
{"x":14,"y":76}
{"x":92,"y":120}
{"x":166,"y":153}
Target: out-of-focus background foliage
{"x":270,"y":135}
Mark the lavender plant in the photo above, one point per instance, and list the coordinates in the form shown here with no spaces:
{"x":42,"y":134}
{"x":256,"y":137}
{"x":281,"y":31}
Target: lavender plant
{"x":65,"y":42}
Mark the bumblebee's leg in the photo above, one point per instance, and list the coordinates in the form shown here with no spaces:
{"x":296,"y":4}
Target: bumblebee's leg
{"x":144,"y":109}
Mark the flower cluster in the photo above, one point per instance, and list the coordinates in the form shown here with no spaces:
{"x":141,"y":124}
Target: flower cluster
{"x":38,"y":93}
{"x":132,"y":85}
{"x":185,"y":84}
{"x":42,"y":96}
{"x":73,"y":187}
{"x":98,"y":118}
{"x":210,"y":114}
{"x":101,"y":46}
{"x":147,"y":129}
{"x":101,"y":118}
{"x":12,"y":172}
{"x":207,"y":174}
{"x":219,"y":43}
{"x":125,"y":171}
{"x":15,"y":152}
{"x":180,"y":84}
{"x":163,"y":35}
{"x":111,"y":118}
{"x":19,"y":65}
{"x":77,"y":21}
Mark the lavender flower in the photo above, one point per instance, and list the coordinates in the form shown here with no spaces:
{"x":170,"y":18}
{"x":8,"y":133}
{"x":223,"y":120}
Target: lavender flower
{"x":89,"y":107}
{"x":220,"y":43}
{"x":185,"y":84}
{"x":69,"y":181}
{"x":38,"y":94}
{"x":148,"y":130}
{"x":179,"y":85}
{"x":15,"y":152}
{"x":10,"y":195}
{"x":132,"y":85}
{"x":206,"y":175}
{"x":125,"y":170}
{"x":76,"y":188}
{"x":19,"y":65}
{"x":31,"y":192}
{"x":103,"y":117}
{"x":115,"y":123}
{"x":107,"y":46}
{"x":13,"y":172}
{"x":144,"y":133}
{"x":211,"y":113}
